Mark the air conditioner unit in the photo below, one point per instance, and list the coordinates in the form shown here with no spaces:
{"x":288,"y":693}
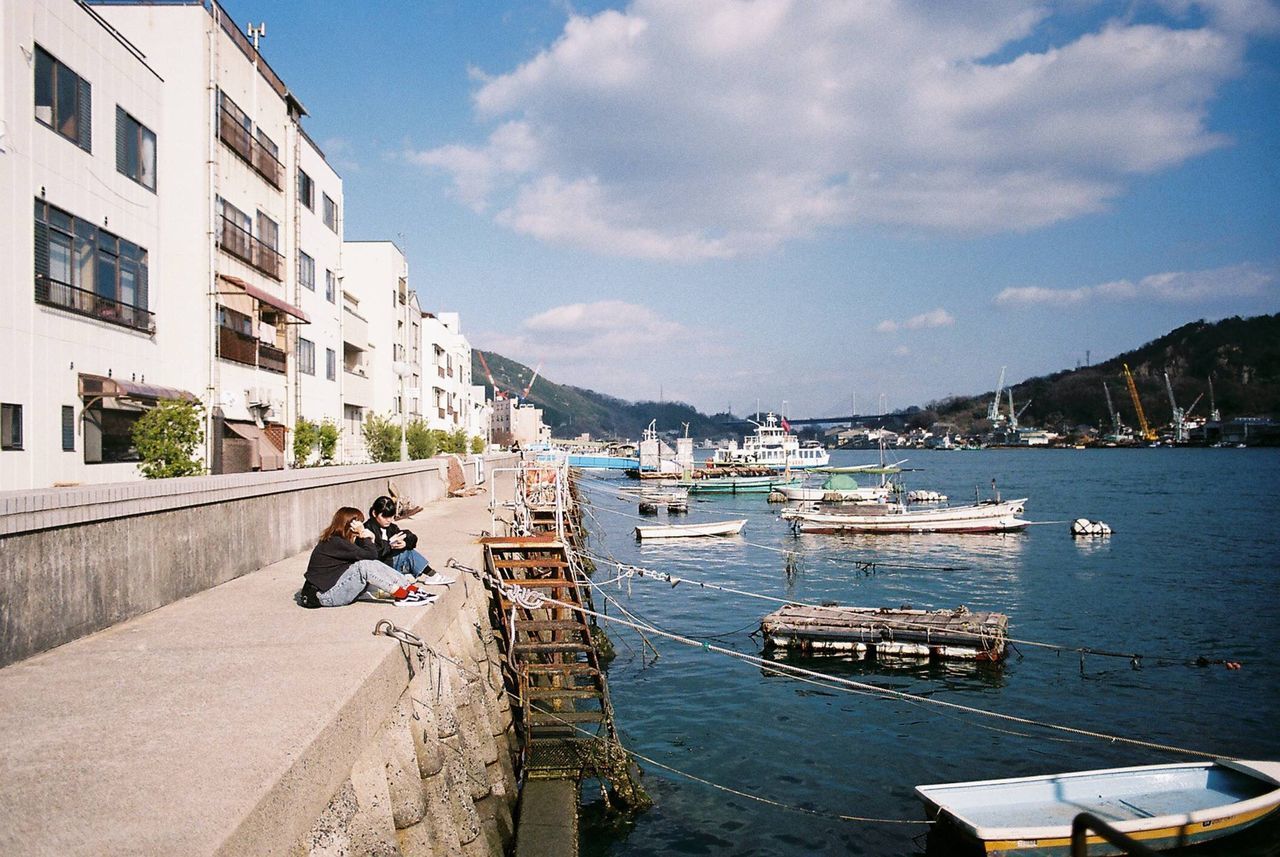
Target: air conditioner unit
{"x":257,"y":397}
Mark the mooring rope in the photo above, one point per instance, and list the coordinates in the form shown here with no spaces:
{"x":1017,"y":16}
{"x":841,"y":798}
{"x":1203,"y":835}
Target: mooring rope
{"x":508,"y":589}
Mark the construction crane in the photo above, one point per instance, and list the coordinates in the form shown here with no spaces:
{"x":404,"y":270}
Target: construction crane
{"x":529,"y":386}
{"x":1214,"y":414}
{"x":497,"y":392}
{"x":1147,"y":433}
{"x":993,"y":412}
{"x":1179,"y":416}
{"x":1111,"y":410}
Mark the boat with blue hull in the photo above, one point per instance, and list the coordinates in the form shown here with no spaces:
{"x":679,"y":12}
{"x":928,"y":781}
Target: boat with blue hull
{"x":1161,"y":806}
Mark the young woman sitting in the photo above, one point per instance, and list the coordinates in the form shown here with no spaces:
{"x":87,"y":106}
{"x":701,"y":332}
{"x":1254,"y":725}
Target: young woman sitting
{"x":344,"y":566}
{"x":395,"y":546}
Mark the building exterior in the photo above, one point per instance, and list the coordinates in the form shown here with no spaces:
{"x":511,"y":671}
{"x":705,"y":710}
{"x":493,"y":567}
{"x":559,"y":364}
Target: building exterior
{"x":447,"y":387}
{"x":516,"y":423}
{"x":93,"y":323}
{"x":172,"y":232}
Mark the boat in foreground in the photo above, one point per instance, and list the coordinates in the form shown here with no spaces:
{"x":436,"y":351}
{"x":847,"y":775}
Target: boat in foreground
{"x":707,"y":483}
{"x":989,"y":516}
{"x":682,"y":531}
{"x":1161,"y":806}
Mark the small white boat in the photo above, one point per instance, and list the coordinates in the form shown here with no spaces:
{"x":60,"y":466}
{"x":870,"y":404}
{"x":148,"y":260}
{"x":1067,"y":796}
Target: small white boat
{"x":684,"y":531}
{"x":1162,"y":806}
{"x":989,"y":516}
{"x":838,"y":488}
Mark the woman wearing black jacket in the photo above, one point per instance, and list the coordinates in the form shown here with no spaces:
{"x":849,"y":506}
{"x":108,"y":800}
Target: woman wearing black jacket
{"x":344,"y":566}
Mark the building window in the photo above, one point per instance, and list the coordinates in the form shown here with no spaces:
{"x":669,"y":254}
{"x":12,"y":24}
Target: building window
{"x":135,"y":149}
{"x":306,"y":356}
{"x":306,"y":190}
{"x":306,"y":271}
{"x":108,"y":435}
{"x":269,"y":232}
{"x":64,"y":100}
{"x":330,"y":213}
{"x":90,"y":271}
{"x":68,"y":428}
{"x":331,"y":364}
{"x":10,"y":426}
{"x":330,"y":286}
{"x":235,"y":128}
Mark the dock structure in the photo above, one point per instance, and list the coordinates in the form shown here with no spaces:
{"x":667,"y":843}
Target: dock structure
{"x":863,"y":632}
{"x":553,"y":666}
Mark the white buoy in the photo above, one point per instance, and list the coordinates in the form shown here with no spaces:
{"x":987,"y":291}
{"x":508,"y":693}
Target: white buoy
{"x":1085,"y":527}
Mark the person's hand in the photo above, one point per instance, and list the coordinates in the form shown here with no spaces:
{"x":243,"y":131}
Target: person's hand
{"x":358,"y":530}
{"x":397,"y":541}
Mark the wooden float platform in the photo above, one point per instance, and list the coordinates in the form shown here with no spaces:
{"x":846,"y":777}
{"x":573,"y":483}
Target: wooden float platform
{"x":958,"y":634}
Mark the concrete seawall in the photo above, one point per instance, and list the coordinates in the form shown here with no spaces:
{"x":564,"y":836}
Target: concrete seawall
{"x":77,"y":560}
{"x":234,"y":722}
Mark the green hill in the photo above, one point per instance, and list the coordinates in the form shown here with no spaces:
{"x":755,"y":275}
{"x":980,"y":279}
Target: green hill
{"x":1241,"y":355}
{"x":570,"y":411}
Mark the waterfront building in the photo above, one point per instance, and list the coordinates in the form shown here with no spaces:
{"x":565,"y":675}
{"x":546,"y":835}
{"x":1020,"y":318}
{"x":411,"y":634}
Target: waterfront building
{"x":447,"y":379}
{"x":517,"y":423}
{"x":94,"y":322}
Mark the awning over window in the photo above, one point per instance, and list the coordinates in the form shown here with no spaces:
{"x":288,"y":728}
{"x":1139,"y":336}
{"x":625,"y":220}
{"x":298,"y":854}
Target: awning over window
{"x":94,"y":386}
{"x":266,"y":455}
{"x":267,"y":298}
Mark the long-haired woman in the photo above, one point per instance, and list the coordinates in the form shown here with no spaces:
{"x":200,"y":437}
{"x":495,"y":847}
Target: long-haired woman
{"x":344,"y":565}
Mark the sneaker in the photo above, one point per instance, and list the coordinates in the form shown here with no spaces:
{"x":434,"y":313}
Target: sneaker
{"x":416,"y":599}
{"x":431,"y":577}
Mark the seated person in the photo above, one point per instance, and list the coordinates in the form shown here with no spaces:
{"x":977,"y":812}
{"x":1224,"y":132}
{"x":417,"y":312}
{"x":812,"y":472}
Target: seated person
{"x":395,"y":546}
{"x":344,"y":566}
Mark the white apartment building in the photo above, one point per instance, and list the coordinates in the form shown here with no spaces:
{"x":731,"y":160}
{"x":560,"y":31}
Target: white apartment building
{"x":480,"y":415}
{"x":447,"y":387}
{"x":382,"y":336}
{"x":516,"y":423}
{"x":93,"y":320}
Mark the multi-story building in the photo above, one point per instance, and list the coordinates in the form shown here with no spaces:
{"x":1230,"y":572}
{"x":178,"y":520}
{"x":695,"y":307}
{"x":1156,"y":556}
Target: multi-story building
{"x":447,"y":366}
{"x":516,"y":423}
{"x":94,"y":322}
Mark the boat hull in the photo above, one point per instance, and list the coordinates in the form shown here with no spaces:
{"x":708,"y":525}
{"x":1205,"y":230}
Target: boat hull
{"x":685,"y":531}
{"x":738,"y":484}
{"x":981,"y":518}
{"x":1161,"y":806}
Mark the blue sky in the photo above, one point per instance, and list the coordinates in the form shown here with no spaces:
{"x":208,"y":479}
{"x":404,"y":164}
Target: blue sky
{"x":723,"y":202}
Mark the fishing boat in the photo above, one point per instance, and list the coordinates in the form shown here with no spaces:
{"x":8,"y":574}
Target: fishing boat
{"x":684,"y":531}
{"x":772,"y":445}
{"x":989,"y":516}
{"x":1161,"y":806}
{"x":839,"y":488}
{"x":730,"y":483}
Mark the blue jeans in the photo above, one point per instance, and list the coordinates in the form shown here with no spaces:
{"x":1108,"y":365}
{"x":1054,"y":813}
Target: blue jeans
{"x":360,"y":578}
{"x":409,"y":562}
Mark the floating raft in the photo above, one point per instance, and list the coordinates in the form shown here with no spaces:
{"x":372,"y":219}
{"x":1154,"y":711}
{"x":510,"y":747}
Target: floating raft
{"x":870,"y":631}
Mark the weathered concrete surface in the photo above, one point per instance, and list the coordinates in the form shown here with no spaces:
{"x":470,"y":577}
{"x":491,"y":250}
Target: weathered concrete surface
{"x":77,"y":560}
{"x":548,"y":819}
{"x":224,"y":723}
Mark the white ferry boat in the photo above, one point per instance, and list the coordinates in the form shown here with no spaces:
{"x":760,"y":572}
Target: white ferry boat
{"x":772,"y":445}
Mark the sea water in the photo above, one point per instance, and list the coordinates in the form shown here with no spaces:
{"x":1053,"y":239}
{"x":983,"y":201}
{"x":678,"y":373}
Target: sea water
{"x":1189,"y":578}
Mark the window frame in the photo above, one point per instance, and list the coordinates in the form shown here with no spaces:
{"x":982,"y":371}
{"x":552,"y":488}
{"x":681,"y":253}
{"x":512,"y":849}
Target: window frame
{"x":68,"y":428}
{"x":81,"y":91}
{"x":331,"y":364}
{"x":11,"y":427}
{"x":330,"y":286}
{"x":306,"y":190}
{"x":306,"y":356}
{"x":131,"y":131}
{"x":306,"y":270}
{"x":329,"y":213}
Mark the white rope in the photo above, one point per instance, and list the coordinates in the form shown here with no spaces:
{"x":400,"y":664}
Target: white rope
{"x":856,"y":686}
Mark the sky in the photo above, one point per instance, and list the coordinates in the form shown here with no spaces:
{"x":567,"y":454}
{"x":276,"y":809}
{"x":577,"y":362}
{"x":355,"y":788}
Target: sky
{"x":806,"y":207}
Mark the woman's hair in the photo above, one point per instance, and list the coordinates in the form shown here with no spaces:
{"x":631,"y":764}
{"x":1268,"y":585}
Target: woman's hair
{"x":341,"y":524}
{"x":383,"y":506}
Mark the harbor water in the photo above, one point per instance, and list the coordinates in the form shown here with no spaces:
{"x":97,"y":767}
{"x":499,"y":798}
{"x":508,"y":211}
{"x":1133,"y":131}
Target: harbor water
{"x":1189,"y":579}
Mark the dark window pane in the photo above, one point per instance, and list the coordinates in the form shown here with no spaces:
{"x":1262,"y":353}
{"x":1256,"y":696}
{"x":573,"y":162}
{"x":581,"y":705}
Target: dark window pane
{"x":67,"y":111}
{"x":68,"y":428}
{"x":44,"y":87}
{"x":106,"y":276}
{"x":10,"y":426}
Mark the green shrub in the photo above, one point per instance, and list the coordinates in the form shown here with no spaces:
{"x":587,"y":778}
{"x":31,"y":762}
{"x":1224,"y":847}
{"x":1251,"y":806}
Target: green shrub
{"x":382,"y":437}
{"x":306,"y":436}
{"x":167,"y":438}
{"x":328,"y":440}
{"x":423,"y":442}
{"x":455,"y":442}
{"x":477,"y":444}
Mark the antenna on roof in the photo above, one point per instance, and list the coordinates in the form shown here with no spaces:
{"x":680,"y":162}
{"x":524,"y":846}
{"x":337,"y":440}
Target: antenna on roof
{"x":256,"y":33}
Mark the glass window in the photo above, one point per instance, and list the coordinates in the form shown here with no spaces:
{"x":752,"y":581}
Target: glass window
{"x":62,"y":99}
{"x":268,"y":231}
{"x":306,"y":271}
{"x":330,"y":286}
{"x":330,"y":213}
{"x":108,"y":435}
{"x":68,"y":428}
{"x":306,"y":190}
{"x":135,"y":149}
{"x":306,"y":356}
{"x":330,"y":364}
{"x":74,"y":252}
{"x":10,"y":426}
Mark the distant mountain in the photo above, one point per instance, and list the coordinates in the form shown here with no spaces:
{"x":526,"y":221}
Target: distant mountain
{"x":570,"y":411}
{"x":1241,"y":355}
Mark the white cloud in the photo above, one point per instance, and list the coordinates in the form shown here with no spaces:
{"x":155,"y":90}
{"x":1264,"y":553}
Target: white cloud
{"x":677,"y":130}
{"x":934,"y":318}
{"x":1171,"y":287}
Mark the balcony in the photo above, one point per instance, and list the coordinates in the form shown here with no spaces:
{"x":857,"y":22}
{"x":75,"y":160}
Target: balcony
{"x":83,"y":302}
{"x":241,"y":141}
{"x":355,"y":330}
{"x":237,"y":241}
{"x":242,"y":348}
{"x":357,"y":389}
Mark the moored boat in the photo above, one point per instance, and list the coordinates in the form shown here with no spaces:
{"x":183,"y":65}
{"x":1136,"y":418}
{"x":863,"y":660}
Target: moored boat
{"x":989,"y":516}
{"x":839,"y":488}
{"x":772,"y":445}
{"x":735,"y":484}
{"x":1161,"y":806}
{"x":680,"y":531}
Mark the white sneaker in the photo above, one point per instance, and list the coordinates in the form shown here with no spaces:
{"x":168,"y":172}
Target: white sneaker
{"x":416,"y":599}
{"x":437,"y":579}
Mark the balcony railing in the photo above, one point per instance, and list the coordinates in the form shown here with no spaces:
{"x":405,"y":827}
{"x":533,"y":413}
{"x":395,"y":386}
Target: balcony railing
{"x":91,"y":304}
{"x":440,"y":370}
{"x":237,"y":241}
{"x":242,"y":142}
{"x":242,"y":348}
